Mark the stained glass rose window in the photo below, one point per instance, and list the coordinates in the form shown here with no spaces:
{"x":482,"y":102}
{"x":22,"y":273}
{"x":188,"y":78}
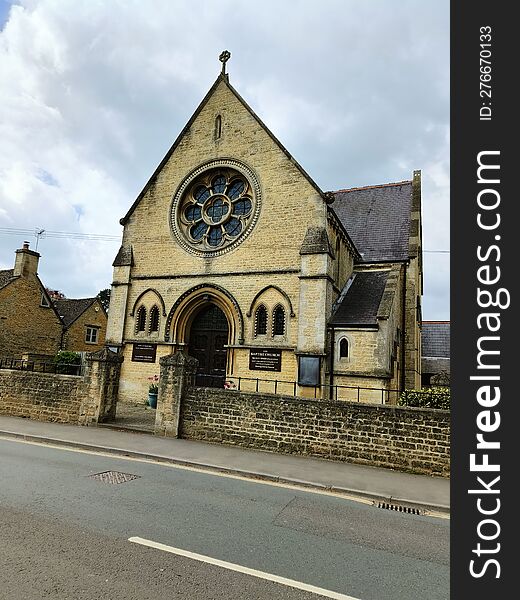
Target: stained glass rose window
{"x":215,"y":209}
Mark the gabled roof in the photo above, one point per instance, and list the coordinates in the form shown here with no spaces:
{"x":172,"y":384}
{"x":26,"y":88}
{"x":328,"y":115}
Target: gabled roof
{"x":222,"y":78}
{"x":435,"y":338}
{"x":6,"y":276}
{"x":70,"y":309}
{"x":377,"y":219}
{"x":360,"y":304}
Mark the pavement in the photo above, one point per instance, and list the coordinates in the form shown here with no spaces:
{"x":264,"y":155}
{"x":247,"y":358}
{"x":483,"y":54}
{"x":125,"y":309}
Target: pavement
{"x":394,"y":487}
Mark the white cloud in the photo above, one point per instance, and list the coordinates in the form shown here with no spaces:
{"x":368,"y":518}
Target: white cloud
{"x":92,"y":94}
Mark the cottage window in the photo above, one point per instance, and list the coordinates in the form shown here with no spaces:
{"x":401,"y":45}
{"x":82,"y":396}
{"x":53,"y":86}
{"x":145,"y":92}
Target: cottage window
{"x":154,"y":319}
{"x":91,"y":335}
{"x":261,"y":321}
{"x":279,"y":321}
{"x":141,"y":319}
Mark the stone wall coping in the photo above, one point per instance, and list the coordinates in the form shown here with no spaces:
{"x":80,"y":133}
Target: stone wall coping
{"x":179,"y":359}
{"x":105,"y":355}
{"x":327,"y":403}
{"x":21,"y":373}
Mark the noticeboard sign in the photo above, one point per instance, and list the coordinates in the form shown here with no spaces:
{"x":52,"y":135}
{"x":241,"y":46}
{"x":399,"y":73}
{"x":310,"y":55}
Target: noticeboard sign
{"x":309,"y":370}
{"x":265,"y":359}
{"x":144,"y":353}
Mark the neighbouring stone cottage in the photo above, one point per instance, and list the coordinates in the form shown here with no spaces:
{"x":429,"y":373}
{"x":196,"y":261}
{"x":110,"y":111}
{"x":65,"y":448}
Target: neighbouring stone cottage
{"x":85,"y":322}
{"x":35,"y":326}
{"x":234,"y":254}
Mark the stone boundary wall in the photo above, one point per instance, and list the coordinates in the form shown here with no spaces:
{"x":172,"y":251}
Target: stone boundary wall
{"x":41,"y":396}
{"x":409,"y":439}
{"x":84,"y":400}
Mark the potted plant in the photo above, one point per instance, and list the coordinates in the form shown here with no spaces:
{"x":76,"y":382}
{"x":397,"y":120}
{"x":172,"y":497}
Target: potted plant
{"x":153,"y":390}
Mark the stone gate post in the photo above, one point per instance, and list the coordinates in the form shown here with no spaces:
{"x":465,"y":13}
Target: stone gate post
{"x":177,"y":372}
{"x":101,"y":387}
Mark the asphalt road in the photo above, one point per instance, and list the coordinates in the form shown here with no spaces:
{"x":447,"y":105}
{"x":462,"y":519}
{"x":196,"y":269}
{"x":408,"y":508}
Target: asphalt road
{"x":65,"y":535}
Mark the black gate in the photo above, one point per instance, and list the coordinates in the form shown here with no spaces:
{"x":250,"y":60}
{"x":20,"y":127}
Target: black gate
{"x":208,"y":336}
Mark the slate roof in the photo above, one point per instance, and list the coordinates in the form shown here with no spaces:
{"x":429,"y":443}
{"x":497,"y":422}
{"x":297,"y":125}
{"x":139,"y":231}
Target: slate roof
{"x":5,"y":277}
{"x":435,"y":337}
{"x":377,"y":219}
{"x":360,"y":304}
{"x":431,"y":365}
{"x":70,"y":309}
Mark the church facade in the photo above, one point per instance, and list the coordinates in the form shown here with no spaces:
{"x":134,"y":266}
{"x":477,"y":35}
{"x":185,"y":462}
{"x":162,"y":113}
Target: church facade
{"x":233,"y":254}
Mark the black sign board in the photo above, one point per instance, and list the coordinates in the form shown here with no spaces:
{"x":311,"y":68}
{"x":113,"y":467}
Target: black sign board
{"x":144,"y":353}
{"x":265,"y":359}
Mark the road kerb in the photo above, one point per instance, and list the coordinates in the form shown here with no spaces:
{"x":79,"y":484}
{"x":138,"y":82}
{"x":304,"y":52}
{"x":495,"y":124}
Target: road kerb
{"x":233,"y":471}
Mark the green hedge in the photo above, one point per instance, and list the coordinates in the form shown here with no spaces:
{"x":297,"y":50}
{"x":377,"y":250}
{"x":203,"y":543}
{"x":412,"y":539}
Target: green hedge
{"x":67,"y":363}
{"x":435,"y":397}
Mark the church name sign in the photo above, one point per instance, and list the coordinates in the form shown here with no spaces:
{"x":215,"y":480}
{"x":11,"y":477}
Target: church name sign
{"x":265,"y":359}
{"x":144,"y":353}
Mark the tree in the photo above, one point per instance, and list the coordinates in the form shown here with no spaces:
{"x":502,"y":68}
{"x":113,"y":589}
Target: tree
{"x":104,"y":298}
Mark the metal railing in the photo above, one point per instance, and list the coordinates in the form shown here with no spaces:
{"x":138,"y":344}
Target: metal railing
{"x":20,"y":364}
{"x":292,"y":388}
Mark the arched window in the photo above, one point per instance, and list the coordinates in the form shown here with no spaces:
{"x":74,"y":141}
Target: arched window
{"x":141,"y":319}
{"x":154,"y":319}
{"x":261,"y":321}
{"x":279,"y":321}
{"x":343,"y":348}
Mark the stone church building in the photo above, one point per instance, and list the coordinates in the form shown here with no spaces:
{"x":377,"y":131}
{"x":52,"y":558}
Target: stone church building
{"x":233,"y":254}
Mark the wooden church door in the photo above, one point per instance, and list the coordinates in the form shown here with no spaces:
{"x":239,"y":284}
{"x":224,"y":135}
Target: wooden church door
{"x":208,"y":336}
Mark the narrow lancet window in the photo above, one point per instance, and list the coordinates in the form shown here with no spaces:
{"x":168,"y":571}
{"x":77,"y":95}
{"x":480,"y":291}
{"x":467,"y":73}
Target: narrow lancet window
{"x":261,"y":321}
{"x":154,"y":319}
{"x":141,"y":319}
{"x":279,"y":321}
{"x":218,"y":127}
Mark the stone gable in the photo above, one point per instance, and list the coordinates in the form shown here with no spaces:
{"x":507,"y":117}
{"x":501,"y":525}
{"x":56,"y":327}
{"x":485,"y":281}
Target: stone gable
{"x":25,"y":325}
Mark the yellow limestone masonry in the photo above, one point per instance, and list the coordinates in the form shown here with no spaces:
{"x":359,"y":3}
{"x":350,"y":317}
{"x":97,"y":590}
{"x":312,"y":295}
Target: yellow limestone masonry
{"x":266,"y":267}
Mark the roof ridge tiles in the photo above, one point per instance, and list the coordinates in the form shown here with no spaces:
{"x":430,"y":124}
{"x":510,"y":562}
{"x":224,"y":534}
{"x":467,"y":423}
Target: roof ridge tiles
{"x":371,"y":187}
{"x":447,"y":322}
{"x":68,"y":299}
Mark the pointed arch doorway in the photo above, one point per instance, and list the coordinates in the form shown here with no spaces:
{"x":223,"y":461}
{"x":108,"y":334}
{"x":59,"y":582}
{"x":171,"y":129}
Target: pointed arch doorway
{"x":209,"y":334}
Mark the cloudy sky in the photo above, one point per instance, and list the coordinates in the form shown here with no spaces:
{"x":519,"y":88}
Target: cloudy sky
{"x":94,"y":92}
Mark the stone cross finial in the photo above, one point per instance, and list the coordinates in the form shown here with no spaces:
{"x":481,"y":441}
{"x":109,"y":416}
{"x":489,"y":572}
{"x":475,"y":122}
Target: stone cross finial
{"x":224,"y":57}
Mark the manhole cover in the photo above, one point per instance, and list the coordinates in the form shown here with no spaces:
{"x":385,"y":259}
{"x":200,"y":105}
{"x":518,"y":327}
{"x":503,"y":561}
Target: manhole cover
{"x":113,"y":477}
{"x":399,"y":508}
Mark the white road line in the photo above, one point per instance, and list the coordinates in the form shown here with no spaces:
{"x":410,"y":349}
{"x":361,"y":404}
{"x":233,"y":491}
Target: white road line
{"x":240,"y":569}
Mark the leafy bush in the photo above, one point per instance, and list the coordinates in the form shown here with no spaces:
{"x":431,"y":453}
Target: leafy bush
{"x":67,"y":363}
{"x":435,"y":397}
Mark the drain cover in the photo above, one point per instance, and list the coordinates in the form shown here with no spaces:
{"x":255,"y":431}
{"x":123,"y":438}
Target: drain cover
{"x":113,"y":477}
{"x":399,"y":508}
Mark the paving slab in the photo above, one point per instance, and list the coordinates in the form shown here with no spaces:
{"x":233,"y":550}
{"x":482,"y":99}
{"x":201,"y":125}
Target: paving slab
{"x":370,"y":482}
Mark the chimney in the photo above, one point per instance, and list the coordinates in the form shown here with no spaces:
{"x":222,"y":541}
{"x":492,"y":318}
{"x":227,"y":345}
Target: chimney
{"x":26,"y":261}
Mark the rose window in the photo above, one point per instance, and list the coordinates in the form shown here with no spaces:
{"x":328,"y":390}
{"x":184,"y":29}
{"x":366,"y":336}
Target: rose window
{"x":215,"y":209}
